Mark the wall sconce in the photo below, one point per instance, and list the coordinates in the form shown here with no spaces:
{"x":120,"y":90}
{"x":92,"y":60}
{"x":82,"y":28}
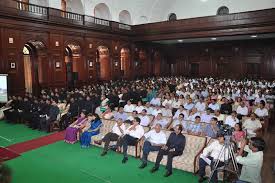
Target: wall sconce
{"x":90,"y":45}
{"x":116,"y":63}
{"x":56,"y":43}
{"x":90,"y":63}
{"x":115,"y":47}
{"x":10,"y":40}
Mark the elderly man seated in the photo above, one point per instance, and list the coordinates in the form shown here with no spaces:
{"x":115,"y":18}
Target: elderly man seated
{"x":154,"y":140}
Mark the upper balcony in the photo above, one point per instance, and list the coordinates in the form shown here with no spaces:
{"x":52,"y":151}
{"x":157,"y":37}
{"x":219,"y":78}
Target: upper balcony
{"x":15,"y":8}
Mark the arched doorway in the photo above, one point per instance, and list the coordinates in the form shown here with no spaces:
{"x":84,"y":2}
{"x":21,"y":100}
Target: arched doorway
{"x":73,"y":64}
{"x":33,"y":56}
{"x":125,"y":62}
{"x":103,"y":65}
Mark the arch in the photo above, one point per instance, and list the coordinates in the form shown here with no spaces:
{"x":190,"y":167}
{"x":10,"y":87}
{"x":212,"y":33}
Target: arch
{"x":172,"y":17}
{"x":33,"y":53}
{"x":125,"y":62}
{"x":125,"y":17}
{"x":73,"y":62}
{"x":223,"y":10}
{"x":103,"y":66}
{"x":74,"y":6}
{"x":143,"y":20}
{"x":102,"y":11}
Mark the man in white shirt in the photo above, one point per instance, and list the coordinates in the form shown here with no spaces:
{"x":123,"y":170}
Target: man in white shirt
{"x":261,"y":112}
{"x":210,"y":154}
{"x":192,"y":114}
{"x":206,"y":117}
{"x":200,"y":105}
{"x":159,"y":120}
{"x":252,"y":125}
{"x":144,"y":119}
{"x":156,"y":111}
{"x":253,"y":162}
{"x":167,"y":112}
{"x":131,"y":137}
{"x":117,"y":131}
{"x":155,"y":101}
{"x":189,"y":105}
{"x":232,"y":119}
{"x":139,"y":107}
{"x":179,"y":121}
{"x":149,"y":109}
{"x":129,"y":107}
{"x":214,"y":105}
{"x":242,"y":110}
{"x":154,"y":140}
{"x":181,"y":110}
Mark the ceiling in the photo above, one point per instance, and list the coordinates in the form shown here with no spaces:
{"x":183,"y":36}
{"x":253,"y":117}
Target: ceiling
{"x":217,"y":39}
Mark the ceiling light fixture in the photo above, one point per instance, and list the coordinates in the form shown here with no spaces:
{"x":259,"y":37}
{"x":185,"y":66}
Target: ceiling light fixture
{"x":213,"y":38}
{"x":204,"y":0}
{"x":180,"y":40}
{"x":254,"y":36}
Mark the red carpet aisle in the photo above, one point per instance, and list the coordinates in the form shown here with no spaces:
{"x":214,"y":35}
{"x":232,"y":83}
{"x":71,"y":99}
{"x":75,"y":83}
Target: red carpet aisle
{"x":36,"y":143}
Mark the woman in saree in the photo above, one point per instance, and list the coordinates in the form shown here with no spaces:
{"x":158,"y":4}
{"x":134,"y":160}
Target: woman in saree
{"x":90,"y":130}
{"x":72,"y":132}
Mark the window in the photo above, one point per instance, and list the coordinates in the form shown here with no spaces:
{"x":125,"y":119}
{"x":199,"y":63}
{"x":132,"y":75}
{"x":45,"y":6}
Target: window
{"x":223,"y":10}
{"x":172,"y":17}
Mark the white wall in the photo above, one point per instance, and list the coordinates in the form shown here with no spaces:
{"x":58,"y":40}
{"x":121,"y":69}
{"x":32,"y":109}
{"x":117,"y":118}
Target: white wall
{"x":158,"y":10}
{"x":40,"y":2}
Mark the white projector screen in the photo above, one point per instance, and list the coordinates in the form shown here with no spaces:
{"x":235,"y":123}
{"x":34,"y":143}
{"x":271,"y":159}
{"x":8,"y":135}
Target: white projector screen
{"x":3,"y":88}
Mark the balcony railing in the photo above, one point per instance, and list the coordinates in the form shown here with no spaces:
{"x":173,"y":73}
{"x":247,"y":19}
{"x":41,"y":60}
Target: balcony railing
{"x":31,"y":8}
{"x":22,"y":9}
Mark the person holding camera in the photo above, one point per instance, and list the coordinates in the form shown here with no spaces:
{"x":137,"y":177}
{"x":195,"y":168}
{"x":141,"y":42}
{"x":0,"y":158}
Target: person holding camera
{"x":210,"y":155}
{"x":253,"y":162}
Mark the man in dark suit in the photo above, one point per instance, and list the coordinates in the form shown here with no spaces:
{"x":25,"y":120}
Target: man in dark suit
{"x":50,"y":117}
{"x":174,"y":147}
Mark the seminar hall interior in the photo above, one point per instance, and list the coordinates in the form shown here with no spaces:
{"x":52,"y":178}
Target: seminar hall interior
{"x":151,"y":91}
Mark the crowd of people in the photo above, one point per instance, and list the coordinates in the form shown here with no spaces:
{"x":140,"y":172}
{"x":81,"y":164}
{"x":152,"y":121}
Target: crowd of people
{"x":200,"y":107}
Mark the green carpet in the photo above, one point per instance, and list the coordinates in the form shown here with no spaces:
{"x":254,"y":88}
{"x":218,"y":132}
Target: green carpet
{"x":65,"y":163}
{"x":15,"y":133}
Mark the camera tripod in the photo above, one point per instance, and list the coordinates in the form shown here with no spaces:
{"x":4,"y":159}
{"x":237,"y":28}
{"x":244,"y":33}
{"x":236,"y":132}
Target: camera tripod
{"x":228,"y":152}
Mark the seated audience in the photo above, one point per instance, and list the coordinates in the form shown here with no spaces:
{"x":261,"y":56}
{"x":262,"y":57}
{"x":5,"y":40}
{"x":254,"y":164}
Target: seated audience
{"x":91,"y":129}
{"x":154,"y":140}
{"x":209,"y":155}
{"x":200,"y":105}
{"x":226,"y":107}
{"x":139,"y":107}
{"x":242,"y":110}
{"x":103,"y":104}
{"x":214,"y":105}
{"x":261,"y":112}
{"x":107,"y":114}
{"x":131,"y":137}
{"x":219,"y":116}
{"x":179,"y":121}
{"x":117,"y":132}
{"x":144,"y":118}
{"x":159,"y":120}
{"x":238,"y":135}
{"x":166,"y":112}
{"x":174,"y":147}
{"x":72,"y":132}
{"x":211,"y":129}
{"x":232,"y":119}
{"x":120,"y":114}
{"x":50,"y":117}
{"x":195,"y":128}
{"x":129,"y":107}
{"x":252,"y":125}
{"x":189,"y":105}
{"x":181,"y":110}
{"x":206,"y":116}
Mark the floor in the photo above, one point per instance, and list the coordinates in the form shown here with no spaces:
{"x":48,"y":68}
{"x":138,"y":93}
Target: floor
{"x":66,"y":163}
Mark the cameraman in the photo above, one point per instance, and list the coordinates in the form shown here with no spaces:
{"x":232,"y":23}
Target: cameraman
{"x":210,"y":155}
{"x":252,"y":163}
